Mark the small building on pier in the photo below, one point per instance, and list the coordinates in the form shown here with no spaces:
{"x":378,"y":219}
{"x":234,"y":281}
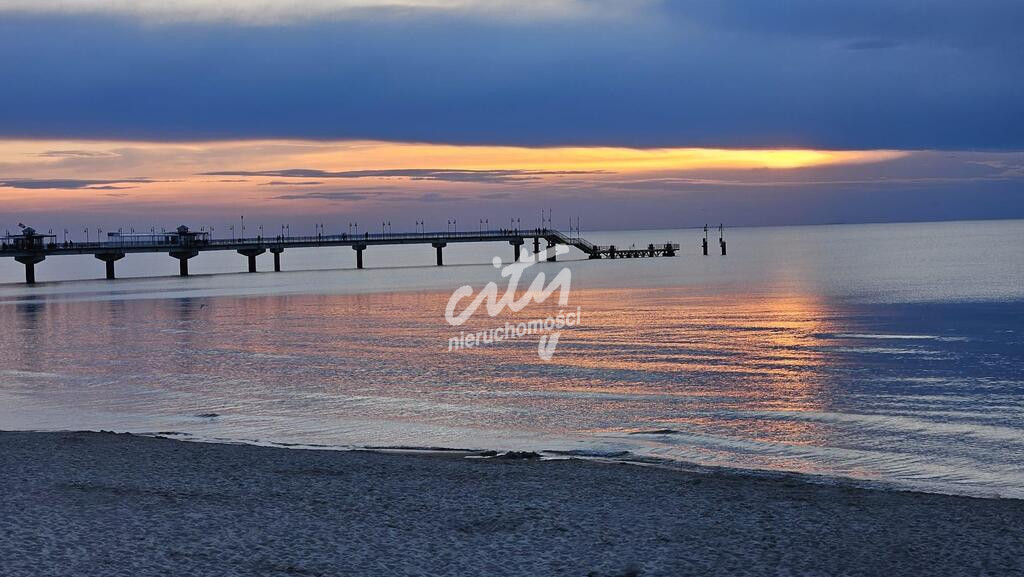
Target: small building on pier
{"x":181,"y":236}
{"x":28,"y":240}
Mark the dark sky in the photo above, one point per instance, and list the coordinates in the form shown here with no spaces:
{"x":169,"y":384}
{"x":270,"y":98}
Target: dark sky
{"x":800,"y":73}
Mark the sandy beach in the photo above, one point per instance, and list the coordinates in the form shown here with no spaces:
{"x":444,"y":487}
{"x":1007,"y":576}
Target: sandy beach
{"x":118,"y":504}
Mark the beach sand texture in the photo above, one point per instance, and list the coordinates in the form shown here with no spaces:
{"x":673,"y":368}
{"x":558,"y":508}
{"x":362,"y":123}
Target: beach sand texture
{"x":106,"y":504}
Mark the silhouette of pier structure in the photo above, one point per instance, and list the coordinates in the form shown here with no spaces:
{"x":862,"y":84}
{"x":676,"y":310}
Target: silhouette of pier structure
{"x":31,"y":247}
{"x":721,"y":240}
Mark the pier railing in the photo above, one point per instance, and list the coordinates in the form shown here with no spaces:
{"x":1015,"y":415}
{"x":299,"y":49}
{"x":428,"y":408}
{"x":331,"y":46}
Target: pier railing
{"x":344,"y":238}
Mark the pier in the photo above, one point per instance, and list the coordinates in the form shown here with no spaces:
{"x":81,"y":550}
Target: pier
{"x":31,"y":248}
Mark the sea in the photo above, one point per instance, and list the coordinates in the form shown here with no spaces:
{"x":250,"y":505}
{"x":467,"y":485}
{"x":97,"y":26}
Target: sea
{"x":889,"y":355}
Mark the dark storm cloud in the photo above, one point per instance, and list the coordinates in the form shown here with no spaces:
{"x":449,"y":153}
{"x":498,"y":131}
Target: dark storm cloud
{"x":68,"y":183}
{"x":437,"y":174}
{"x":906,"y":74}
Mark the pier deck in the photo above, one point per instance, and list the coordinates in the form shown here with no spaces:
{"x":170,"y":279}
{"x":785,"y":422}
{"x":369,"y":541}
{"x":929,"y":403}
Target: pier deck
{"x":31,"y":248}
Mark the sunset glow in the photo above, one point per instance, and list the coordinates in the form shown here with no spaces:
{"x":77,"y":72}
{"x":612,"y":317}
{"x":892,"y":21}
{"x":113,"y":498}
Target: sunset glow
{"x":358,"y":155}
{"x":213,"y":173}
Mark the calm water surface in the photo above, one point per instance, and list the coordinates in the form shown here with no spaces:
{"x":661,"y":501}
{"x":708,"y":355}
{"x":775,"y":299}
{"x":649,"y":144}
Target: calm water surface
{"x":891,"y":353}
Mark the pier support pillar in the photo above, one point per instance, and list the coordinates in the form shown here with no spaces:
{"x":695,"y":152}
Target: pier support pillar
{"x":721,"y":241}
{"x":251,"y":254}
{"x":359,"y":248}
{"x":536,"y":247}
{"x":277,"y":258}
{"x":30,"y":266}
{"x":611,"y":251}
{"x":551,"y":251}
{"x":109,"y":258}
{"x":439,"y":246}
{"x":669,"y":250}
{"x":517,"y":245}
{"x":183,"y":256}
{"x":705,"y":245}
{"x":594,"y":256}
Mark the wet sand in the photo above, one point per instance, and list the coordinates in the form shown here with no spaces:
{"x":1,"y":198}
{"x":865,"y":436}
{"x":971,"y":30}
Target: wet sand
{"x":106,"y":504}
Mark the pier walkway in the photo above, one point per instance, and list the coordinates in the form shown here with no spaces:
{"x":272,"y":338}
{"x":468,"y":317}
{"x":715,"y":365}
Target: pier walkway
{"x":31,"y":248}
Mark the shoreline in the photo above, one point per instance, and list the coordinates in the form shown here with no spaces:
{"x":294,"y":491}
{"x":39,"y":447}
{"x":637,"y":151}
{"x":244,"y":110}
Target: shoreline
{"x":624,"y":457}
{"x":103,"y":503}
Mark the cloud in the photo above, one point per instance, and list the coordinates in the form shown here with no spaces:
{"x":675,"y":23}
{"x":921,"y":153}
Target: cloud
{"x":435,"y":174}
{"x":392,"y":195}
{"x":675,"y":73}
{"x":76,"y":154}
{"x":68,"y":183}
{"x":291,"y":183}
{"x":340,"y":196}
{"x":949,"y":22}
{"x":277,"y":12}
{"x":1005,"y":169}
